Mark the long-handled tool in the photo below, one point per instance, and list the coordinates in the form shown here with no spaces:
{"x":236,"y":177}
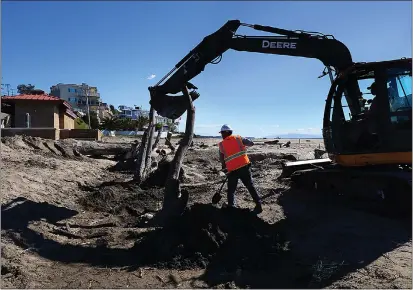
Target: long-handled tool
{"x":217,"y":196}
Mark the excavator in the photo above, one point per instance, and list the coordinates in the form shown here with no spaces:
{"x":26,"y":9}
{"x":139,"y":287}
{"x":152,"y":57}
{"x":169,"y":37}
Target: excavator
{"x":368,"y":136}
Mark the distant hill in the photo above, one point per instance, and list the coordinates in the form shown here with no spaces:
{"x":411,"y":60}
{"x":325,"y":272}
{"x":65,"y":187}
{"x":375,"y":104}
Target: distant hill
{"x":296,"y":136}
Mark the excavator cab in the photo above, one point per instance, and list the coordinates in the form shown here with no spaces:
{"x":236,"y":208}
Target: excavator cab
{"x":377,"y":131}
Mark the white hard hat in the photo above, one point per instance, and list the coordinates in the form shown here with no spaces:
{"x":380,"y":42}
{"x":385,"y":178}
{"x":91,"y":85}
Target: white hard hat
{"x":225,"y":128}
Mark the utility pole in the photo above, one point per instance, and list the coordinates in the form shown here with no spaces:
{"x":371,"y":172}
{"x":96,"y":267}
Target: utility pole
{"x":87,"y":103}
{"x":98,"y":111}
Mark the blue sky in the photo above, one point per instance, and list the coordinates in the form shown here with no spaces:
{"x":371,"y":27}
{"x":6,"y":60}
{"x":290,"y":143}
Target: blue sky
{"x":116,"y":46}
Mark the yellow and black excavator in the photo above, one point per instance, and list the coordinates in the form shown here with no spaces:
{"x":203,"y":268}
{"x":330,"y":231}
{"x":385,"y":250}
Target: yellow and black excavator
{"x":370,"y":148}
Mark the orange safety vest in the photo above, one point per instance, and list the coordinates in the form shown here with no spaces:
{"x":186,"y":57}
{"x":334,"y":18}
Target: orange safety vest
{"x":235,"y":155}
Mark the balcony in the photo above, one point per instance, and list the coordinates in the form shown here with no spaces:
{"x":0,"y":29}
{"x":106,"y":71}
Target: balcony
{"x":91,"y":102}
{"x":94,"y":95}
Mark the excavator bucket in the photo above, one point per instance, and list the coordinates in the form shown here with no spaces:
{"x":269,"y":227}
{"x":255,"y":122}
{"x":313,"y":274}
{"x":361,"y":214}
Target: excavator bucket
{"x":171,"y":107}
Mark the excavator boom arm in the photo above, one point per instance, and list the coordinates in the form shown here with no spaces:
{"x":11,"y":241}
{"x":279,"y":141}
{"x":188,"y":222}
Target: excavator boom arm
{"x":331,"y":52}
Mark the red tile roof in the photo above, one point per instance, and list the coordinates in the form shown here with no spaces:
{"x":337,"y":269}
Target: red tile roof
{"x":41,"y":98}
{"x":32,"y":97}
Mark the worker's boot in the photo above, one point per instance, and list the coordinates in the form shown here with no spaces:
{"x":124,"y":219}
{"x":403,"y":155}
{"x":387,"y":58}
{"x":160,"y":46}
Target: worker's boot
{"x":257,"y":208}
{"x":228,"y":206}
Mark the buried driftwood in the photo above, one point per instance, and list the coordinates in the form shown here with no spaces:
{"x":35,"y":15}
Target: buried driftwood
{"x":148,"y":156}
{"x":272,"y":142}
{"x":94,"y":148}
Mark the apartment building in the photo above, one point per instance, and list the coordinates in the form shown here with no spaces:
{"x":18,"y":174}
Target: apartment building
{"x":77,"y":96}
{"x":162,"y":120}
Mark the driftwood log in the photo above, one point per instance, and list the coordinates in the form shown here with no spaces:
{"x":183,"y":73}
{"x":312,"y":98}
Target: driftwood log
{"x":140,"y":161}
{"x":151,"y":130}
{"x":144,"y":160}
{"x":272,"y":142}
{"x":148,"y":154}
{"x":94,"y":148}
{"x":158,"y":137}
{"x":175,"y":201}
{"x":152,"y":159}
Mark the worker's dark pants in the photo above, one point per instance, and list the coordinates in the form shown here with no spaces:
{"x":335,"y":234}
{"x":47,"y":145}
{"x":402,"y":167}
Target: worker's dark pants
{"x":244,"y":174}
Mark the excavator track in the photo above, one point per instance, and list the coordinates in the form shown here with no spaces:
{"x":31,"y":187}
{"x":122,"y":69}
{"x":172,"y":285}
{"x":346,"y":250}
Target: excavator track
{"x":382,"y":190}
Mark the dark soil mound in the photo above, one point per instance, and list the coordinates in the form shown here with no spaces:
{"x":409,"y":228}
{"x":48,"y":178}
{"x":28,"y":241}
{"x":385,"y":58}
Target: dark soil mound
{"x":122,"y":198}
{"x":204,"y":234}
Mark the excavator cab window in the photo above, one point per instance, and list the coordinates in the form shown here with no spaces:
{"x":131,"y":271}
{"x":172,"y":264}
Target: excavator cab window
{"x":399,"y":91}
{"x":385,"y":119}
{"x":367,"y":96}
{"x":365,"y":99}
{"x":348,"y":132}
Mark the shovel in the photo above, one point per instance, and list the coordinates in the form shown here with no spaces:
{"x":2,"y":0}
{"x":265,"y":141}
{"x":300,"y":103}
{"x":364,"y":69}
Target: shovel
{"x":217,"y":196}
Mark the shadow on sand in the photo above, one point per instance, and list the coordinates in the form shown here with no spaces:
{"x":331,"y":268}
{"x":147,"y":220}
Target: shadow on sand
{"x":315,"y":245}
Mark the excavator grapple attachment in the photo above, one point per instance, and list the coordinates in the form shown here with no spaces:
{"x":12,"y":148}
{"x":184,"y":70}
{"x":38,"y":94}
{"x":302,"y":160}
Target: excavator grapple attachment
{"x":171,"y":107}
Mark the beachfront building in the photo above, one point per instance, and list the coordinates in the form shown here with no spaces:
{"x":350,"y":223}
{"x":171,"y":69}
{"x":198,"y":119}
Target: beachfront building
{"x":135,"y":112}
{"x":80,"y":96}
{"x":132,"y":112}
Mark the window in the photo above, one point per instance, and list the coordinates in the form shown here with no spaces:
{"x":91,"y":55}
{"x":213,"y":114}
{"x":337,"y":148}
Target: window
{"x":399,"y":90}
{"x":367,"y":96}
{"x":346,"y":109}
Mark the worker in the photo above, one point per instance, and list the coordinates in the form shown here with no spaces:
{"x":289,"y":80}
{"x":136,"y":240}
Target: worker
{"x":373,"y":104}
{"x":392,"y":97}
{"x":236,"y":164}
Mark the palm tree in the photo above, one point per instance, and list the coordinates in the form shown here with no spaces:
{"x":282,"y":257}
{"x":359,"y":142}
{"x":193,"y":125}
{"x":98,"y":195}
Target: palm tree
{"x":172,"y":126}
{"x":109,"y":123}
{"x":142,"y":121}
